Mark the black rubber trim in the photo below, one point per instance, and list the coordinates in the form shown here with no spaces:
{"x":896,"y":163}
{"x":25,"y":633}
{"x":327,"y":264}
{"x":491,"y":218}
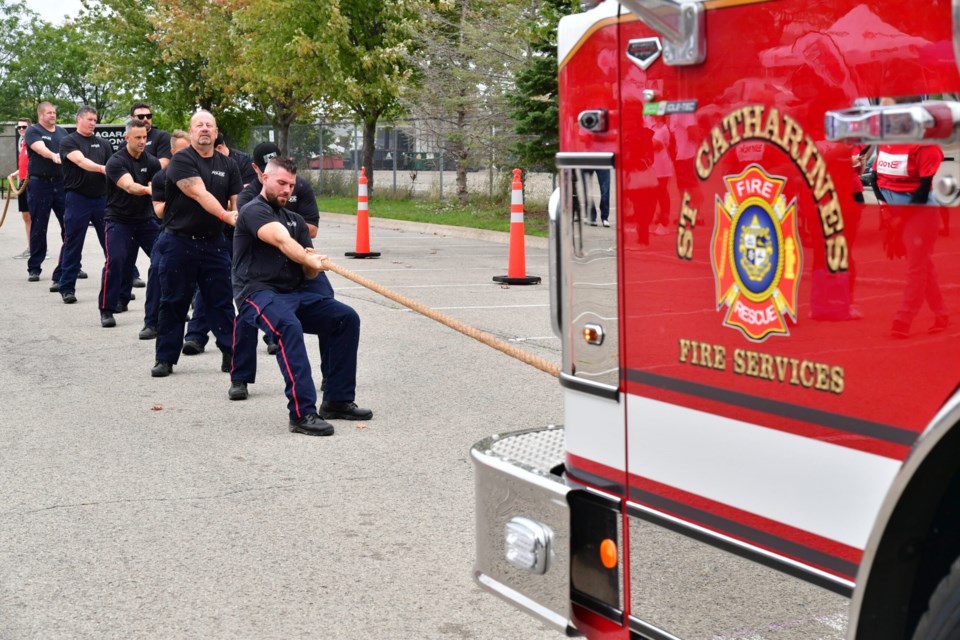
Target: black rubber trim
{"x":875,"y":430}
{"x":585,"y":477}
{"x":600,"y":608}
{"x":571,"y":382}
{"x":640,"y":630}
{"x":749,"y":533}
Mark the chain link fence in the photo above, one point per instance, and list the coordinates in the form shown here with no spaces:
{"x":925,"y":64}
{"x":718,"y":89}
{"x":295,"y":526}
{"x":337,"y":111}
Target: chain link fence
{"x":407,"y":161}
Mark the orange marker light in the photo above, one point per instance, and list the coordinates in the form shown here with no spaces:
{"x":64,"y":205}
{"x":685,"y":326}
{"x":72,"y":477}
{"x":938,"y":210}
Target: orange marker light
{"x":608,"y":553}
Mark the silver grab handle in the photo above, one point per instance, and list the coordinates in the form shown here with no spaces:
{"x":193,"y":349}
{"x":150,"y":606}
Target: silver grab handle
{"x":922,"y":122}
{"x":680,"y":23}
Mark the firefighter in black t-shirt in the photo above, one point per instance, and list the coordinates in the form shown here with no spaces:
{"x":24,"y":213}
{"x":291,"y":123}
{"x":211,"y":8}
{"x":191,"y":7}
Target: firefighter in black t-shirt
{"x":130,"y":223}
{"x":84,"y":157}
{"x":45,"y":182}
{"x":273,"y":258}
{"x":179,"y":140}
{"x":202,"y":185}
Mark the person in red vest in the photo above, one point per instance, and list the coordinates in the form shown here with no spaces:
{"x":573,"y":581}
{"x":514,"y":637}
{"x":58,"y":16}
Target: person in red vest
{"x":20,"y":186}
{"x":905,"y":175}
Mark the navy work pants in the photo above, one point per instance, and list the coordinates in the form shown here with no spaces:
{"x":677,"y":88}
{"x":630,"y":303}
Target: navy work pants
{"x":185,"y":264}
{"x":80,"y":211}
{"x":287,"y":317}
{"x":151,"y":308}
{"x":43,"y":196}
{"x":123,"y":240}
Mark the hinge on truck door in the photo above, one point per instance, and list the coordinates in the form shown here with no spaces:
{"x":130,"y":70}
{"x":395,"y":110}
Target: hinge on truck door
{"x":681,"y":25}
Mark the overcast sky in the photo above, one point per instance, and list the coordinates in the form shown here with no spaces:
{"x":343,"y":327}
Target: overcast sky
{"x":54,"y":10}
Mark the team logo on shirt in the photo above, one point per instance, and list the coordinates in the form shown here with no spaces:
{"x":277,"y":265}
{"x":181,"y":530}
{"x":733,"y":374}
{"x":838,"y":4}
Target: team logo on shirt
{"x":756,"y":254}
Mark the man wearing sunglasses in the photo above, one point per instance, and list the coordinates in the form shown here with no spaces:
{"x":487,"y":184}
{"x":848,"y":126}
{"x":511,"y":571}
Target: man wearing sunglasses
{"x":45,"y":185}
{"x":158,"y":140}
{"x":158,"y":145}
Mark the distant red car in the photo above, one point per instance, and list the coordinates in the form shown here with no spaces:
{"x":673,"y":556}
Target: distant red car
{"x":329,"y":162}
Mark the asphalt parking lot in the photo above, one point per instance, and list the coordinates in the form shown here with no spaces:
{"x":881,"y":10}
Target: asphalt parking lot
{"x":136,"y":507}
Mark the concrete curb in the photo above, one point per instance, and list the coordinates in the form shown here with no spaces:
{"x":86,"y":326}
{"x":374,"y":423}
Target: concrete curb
{"x":531,"y":242}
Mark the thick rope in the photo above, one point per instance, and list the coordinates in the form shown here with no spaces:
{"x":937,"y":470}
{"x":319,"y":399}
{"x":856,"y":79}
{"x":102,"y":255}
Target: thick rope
{"x":456,"y":325}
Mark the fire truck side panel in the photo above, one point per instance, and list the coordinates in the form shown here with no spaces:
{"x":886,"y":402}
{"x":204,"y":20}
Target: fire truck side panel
{"x":766,"y":421}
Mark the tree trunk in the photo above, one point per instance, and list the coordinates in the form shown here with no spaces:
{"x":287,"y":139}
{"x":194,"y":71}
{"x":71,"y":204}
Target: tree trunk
{"x":369,"y":145}
{"x":460,"y":154}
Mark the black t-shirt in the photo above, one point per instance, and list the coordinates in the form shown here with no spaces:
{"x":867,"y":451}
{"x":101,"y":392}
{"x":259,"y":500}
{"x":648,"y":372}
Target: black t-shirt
{"x":220,"y":176}
{"x":94,"y":148}
{"x":245,"y":164}
{"x":158,"y":191}
{"x":158,"y":143}
{"x":122,"y":206}
{"x":258,"y":266}
{"x":301,"y":201}
{"x":37,"y":165}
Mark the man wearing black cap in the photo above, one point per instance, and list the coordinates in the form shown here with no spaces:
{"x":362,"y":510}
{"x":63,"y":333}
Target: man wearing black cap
{"x":303,"y":202}
{"x":273,"y":259}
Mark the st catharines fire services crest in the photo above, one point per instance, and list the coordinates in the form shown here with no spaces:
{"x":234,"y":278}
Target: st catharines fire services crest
{"x":756,"y":254}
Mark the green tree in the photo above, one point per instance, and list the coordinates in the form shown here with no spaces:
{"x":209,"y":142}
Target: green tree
{"x":536,"y":108}
{"x":469,"y":52}
{"x":373,"y":63}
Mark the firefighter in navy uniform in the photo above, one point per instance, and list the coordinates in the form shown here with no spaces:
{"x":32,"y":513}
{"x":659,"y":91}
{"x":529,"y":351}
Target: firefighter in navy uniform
{"x":201,"y":185}
{"x":179,"y":140}
{"x":45,"y":182}
{"x":272,"y":259}
{"x":130,"y":223}
{"x":84,"y":156}
{"x":302,"y":201}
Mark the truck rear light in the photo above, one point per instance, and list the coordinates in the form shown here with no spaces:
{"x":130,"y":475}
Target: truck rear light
{"x":595,"y":567}
{"x":527,"y":544}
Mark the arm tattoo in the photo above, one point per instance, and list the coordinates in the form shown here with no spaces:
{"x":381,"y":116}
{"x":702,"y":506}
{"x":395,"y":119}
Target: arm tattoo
{"x":187,"y":183}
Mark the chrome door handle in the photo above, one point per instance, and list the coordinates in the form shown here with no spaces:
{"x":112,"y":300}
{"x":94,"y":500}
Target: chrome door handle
{"x":922,"y":122}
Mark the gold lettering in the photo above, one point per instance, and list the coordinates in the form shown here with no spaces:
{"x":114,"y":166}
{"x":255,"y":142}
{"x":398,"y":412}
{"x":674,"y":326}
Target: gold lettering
{"x":823,"y":377}
{"x":738,"y":361}
{"x":703,"y":154}
{"x":809,"y":149}
{"x":807,"y":374}
{"x":752,"y":368}
{"x":719,"y":357}
{"x":684,"y":349}
{"x":782,"y":368}
{"x":688,"y":219}
{"x":836,"y":380}
{"x":837,"y":258}
{"x":819,"y":180}
{"x":772,"y":130}
{"x":730,"y":123}
{"x":752,"y":116}
{"x":766,"y":366}
{"x":720,"y":145}
{"x":831,"y":217}
{"x":795,"y":366}
{"x":792,"y":137}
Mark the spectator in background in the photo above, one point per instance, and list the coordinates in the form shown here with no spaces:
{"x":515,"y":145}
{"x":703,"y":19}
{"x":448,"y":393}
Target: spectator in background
{"x":20,"y":186}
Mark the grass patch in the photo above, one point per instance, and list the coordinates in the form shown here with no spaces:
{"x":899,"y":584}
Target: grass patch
{"x":477,"y":215}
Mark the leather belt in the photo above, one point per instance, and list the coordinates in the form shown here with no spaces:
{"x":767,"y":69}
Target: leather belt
{"x":191,"y":236}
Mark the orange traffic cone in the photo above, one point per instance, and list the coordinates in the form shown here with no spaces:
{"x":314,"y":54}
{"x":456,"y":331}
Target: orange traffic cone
{"x":517,"y":269}
{"x":363,"y":222}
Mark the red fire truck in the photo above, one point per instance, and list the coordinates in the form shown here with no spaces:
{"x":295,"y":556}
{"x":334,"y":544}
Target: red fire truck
{"x":760,"y":370}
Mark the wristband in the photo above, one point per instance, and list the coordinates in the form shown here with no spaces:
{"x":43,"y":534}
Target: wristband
{"x":221,"y":216}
